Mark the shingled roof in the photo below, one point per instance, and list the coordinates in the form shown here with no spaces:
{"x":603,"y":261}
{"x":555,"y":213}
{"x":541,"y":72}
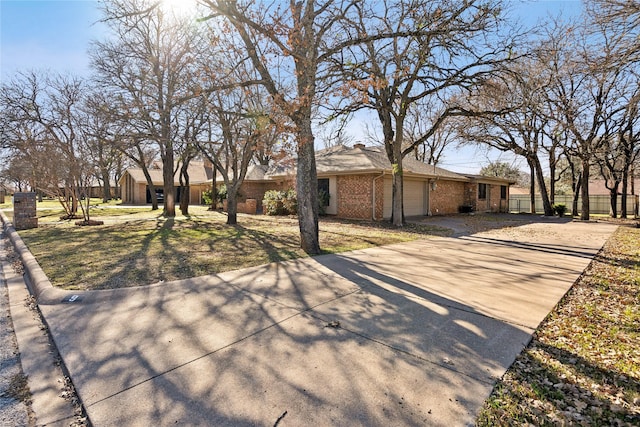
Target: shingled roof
{"x":360,"y":159}
{"x":198,"y":174}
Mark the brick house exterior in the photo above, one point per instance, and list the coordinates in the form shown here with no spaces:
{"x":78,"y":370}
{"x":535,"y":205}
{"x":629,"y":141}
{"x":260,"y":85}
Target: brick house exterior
{"x":448,"y":196}
{"x":355,"y":196}
{"x":134,"y":189}
{"x":359,"y":182}
{"x":257,"y":182}
{"x":360,"y":186}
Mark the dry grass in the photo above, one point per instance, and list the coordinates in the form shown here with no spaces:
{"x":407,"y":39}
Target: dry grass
{"x":141,"y":247}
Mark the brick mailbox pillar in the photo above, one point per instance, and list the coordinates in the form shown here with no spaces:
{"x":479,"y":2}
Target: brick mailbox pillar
{"x":24,"y":211}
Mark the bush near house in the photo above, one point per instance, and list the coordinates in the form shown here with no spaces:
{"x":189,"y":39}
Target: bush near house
{"x":286,"y":203}
{"x":280,"y":202}
{"x":221,"y":195}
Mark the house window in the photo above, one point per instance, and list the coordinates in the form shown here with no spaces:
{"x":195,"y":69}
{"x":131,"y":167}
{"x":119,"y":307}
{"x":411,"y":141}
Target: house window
{"x":482,"y":191}
{"x":323,"y":191}
{"x":503,"y":192}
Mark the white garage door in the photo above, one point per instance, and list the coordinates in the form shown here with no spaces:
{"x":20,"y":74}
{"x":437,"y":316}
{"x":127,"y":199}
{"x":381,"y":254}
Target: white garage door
{"x":414,"y":198}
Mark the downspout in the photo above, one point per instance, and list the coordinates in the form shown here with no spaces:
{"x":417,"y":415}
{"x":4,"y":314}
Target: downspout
{"x":373,"y":193}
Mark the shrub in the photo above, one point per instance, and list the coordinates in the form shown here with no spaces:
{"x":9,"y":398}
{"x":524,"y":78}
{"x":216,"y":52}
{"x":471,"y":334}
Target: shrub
{"x":286,"y":202}
{"x":221,"y":194}
{"x":206,"y":197}
{"x":290,"y":202}
{"x":560,"y":209}
{"x":280,"y":202}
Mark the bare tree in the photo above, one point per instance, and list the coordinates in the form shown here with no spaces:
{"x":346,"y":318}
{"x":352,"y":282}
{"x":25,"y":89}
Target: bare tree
{"x":430,"y":150}
{"x":584,"y":76}
{"x":148,"y":70}
{"x":629,"y":140}
{"x":431,"y":53}
{"x":622,"y":17}
{"x":18,"y":172}
{"x":47,"y":118}
{"x":521,"y":128}
{"x":101,"y":130}
{"x":238,"y":125}
{"x":287,"y":44}
{"x":620,"y":20}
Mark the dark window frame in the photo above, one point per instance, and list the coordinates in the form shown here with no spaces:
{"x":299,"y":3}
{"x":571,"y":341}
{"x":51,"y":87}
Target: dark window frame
{"x":482,"y":191}
{"x":323,"y":184}
{"x":503,"y":192}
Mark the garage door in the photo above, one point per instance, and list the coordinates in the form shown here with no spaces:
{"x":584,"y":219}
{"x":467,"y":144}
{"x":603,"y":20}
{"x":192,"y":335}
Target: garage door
{"x":414,"y":198}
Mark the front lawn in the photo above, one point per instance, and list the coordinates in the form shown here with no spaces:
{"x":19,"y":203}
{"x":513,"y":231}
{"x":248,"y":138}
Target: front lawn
{"x":140,"y":247}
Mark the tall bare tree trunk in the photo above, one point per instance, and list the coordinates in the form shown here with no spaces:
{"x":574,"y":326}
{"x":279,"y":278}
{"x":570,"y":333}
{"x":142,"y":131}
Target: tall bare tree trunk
{"x":532,"y":186}
{"x":232,"y":205}
{"x":577,"y":185}
{"x":214,"y":189}
{"x":584,"y":212}
{"x":613,"y":200}
{"x":546,"y":204}
{"x":168,"y":183}
{"x":106,"y":185}
{"x":307,"y":189}
{"x":185,"y":189}
{"x":625,"y":191}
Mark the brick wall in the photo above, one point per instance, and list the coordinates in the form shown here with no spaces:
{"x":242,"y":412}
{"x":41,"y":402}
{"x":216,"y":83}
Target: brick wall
{"x":24,"y":211}
{"x":471,"y":195}
{"x":256,"y":190}
{"x":252,"y":190}
{"x":493,"y":202}
{"x":447,"y":197}
{"x":494,"y":198}
{"x":379,"y":183}
{"x":249,"y":206}
{"x":355,"y":196}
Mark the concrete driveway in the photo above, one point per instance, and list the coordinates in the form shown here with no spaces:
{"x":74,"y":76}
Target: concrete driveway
{"x":408,"y":334}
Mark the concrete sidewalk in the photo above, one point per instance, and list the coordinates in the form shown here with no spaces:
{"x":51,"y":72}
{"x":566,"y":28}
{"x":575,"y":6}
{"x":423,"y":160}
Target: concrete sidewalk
{"x":408,"y":334}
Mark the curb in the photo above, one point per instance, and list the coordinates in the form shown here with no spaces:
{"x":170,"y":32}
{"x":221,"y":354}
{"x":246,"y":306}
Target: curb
{"x":36,"y":280}
{"x":44,"y":371}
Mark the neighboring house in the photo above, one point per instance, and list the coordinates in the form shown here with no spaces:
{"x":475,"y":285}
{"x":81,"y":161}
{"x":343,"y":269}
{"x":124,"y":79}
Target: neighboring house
{"x":134,"y":188}
{"x":96,"y":190}
{"x":358,"y":181}
{"x":598,"y":187}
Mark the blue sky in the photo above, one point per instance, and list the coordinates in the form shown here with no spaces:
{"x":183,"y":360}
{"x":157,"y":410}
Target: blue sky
{"x":55,"y":35}
{"x":52,"y":34}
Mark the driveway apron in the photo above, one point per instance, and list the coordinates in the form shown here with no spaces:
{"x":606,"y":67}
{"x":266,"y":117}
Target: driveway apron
{"x":407,"y":334}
